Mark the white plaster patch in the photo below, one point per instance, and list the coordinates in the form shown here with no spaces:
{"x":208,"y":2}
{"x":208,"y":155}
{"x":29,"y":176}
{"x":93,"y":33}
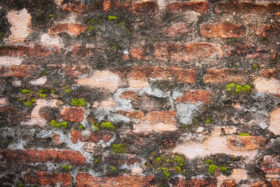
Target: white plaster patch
{"x":4,"y":101}
{"x":40,"y":81}
{"x":16,"y":83}
{"x":275,"y":121}
{"x":10,"y":61}
{"x":36,"y":119}
{"x":186,"y":112}
{"x":20,"y":22}
{"x":147,"y":128}
{"x":237,"y":175}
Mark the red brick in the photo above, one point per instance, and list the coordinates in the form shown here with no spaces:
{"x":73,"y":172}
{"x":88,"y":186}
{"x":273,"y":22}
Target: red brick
{"x":174,"y":74}
{"x":81,"y":50}
{"x":85,"y":179}
{"x":70,"y":28}
{"x":145,"y":8}
{"x":121,"y":159}
{"x":249,"y":51}
{"x":221,"y":76}
{"x":95,"y":136}
{"x":201,"y":7}
{"x":275,"y":183}
{"x":186,"y":52}
{"x":223,"y":30}
{"x":137,"y":53}
{"x":199,"y":182}
{"x":43,"y":156}
{"x":18,"y":71}
{"x":167,"y":117}
{"x":46,"y":178}
{"x":106,"y":5}
{"x":163,"y":73}
{"x":271,"y":165}
{"x":195,"y":96}
{"x":73,"y":114}
{"x":21,"y":51}
{"x":132,"y":114}
{"x":250,"y":8}
{"x":267,"y":31}
{"x":176,"y":29}
{"x":130,"y":95}
{"x":75,"y":7}
{"x":270,"y":73}
{"x":245,"y":143}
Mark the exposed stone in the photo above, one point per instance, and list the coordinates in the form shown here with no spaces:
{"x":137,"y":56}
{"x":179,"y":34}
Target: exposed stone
{"x":73,"y":114}
{"x":267,"y":85}
{"x":275,"y":121}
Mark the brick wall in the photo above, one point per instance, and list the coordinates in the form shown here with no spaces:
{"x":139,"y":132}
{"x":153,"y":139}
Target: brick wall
{"x":139,"y":93}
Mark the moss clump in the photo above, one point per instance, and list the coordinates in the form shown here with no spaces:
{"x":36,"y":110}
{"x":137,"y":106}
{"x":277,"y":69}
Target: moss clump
{"x":212,"y":168}
{"x":66,"y":167}
{"x":55,"y":124}
{"x":195,"y":120}
{"x":97,"y":160}
{"x":179,"y":160}
{"x":51,"y":15}
{"x":244,"y":134}
{"x":20,"y":184}
{"x":1,"y":35}
{"x":178,"y":169}
{"x":78,"y":102}
{"x":81,"y":127}
{"x":27,"y":92}
{"x":91,"y":28}
{"x":238,"y":89}
{"x":165,"y":172}
{"x":255,"y":66}
{"x":52,"y":91}
{"x":29,"y":103}
{"x":95,"y":126}
{"x":208,"y":120}
{"x":119,"y":148}
{"x":113,"y":168}
{"x":66,"y":89}
{"x":43,"y":95}
{"x":107,"y":125}
{"x":209,"y":161}
{"x":223,"y":169}
{"x":110,"y":18}
{"x":159,"y":159}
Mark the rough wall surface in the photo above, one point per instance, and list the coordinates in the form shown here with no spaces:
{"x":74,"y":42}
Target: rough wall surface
{"x":139,"y":93}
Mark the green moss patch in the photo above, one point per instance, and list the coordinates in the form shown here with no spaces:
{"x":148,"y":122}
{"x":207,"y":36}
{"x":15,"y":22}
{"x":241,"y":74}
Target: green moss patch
{"x":55,"y":124}
{"x":119,"y":148}
{"x":234,"y":88}
{"x":107,"y":125}
{"x":78,"y":102}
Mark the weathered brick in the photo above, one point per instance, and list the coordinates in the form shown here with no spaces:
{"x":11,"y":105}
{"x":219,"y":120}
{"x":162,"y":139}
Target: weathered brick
{"x":73,"y":114}
{"x":245,"y":142}
{"x":20,"y":25}
{"x":102,"y":79}
{"x":71,"y":70}
{"x":73,"y":29}
{"x":22,"y":51}
{"x":85,"y":179}
{"x":267,"y":31}
{"x":46,"y":178}
{"x":274,"y":121}
{"x":195,"y":96}
{"x":201,"y":7}
{"x":18,"y":71}
{"x":121,"y":159}
{"x":266,"y":85}
{"x":244,"y":8}
{"x":168,"y":117}
{"x":129,"y":95}
{"x":94,"y":136}
{"x":270,"y":73}
{"x":75,"y":7}
{"x":221,"y":76}
{"x":10,"y":61}
{"x":132,"y":114}
{"x":223,"y":30}
{"x":186,"y":52}
{"x":78,"y":50}
{"x":56,"y":139}
{"x":43,"y":156}
{"x":176,"y":29}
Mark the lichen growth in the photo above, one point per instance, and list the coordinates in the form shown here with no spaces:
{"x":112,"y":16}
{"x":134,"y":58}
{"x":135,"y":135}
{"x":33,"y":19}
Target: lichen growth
{"x":66,"y":89}
{"x":119,"y":148}
{"x":107,"y":125}
{"x":95,"y":126}
{"x":55,"y":124}
{"x":27,"y":92}
{"x":29,"y":103}
{"x":81,"y":127}
{"x":78,"y":102}
{"x":97,"y":160}
{"x":223,"y":169}
{"x":208,"y":120}
{"x":255,"y":66}
{"x":51,"y":15}
{"x":159,"y":159}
